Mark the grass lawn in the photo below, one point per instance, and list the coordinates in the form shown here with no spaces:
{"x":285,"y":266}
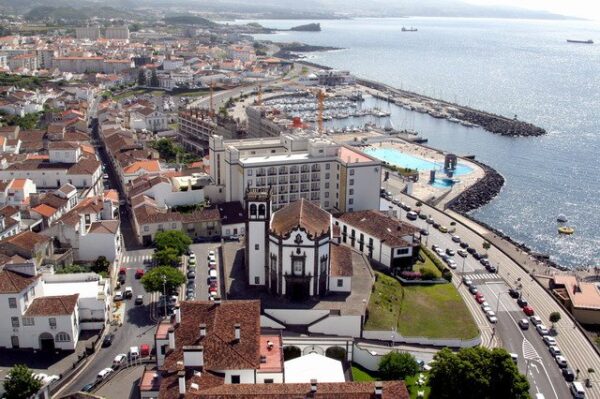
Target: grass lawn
{"x":427,"y":264}
{"x":413,"y":388}
{"x":361,"y":374}
{"x":193,"y":94}
{"x":434,"y":311}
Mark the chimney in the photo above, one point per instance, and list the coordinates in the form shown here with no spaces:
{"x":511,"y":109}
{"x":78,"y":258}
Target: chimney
{"x":177,"y":315}
{"x":172,"y":338}
{"x":202,"y":330}
{"x":379,"y":389}
{"x":181,"y":379}
{"x":238,"y":331}
{"x":313,"y":386}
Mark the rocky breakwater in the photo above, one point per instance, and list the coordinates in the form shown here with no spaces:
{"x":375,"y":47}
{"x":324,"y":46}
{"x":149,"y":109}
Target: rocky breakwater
{"x":497,"y":124}
{"x":479,"y":193}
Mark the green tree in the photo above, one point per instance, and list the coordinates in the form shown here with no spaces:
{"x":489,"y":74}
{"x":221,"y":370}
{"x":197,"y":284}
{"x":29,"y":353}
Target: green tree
{"x":154,"y":79}
{"x":20,"y":384}
{"x":101,"y":265}
{"x":476,"y":373}
{"x":167,"y":257}
{"x":71,"y":269}
{"x":172,"y":239}
{"x":486,"y":245}
{"x":554,"y":318}
{"x":398,"y":366}
{"x":166,"y":149}
{"x":141,"y":80}
{"x":159,"y":278}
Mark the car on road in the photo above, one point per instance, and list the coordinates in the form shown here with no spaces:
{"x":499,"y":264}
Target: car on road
{"x":548,"y":340}
{"x":554,"y":350}
{"x":524,"y":324}
{"x":435,"y":225}
{"x":492,"y":269}
{"x":513,"y":293}
{"x":451,"y":263}
{"x":577,"y":390}
{"x":462,"y":253}
{"x":191,"y":275}
{"x":107,"y":341}
{"x":450,"y":252}
{"x":122,"y":270}
{"x":568,"y":374}
{"x":535,"y":320}
{"x":134,"y":352}
{"x":88,"y":387}
{"x":514,"y":357}
{"x":486,"y":309}
{"x":476,"y":255}
{"x":491,"y":316}
{"x":467,"y":281}
{"x":122,"y":278}
{"x":480,"y":299}
{"x":484,"y":262}
{"x":139,"y":300}
{"x":522,"y":302}
{"x":139,"y":273}
{"x":429,"y":221}
{"x":423,"y":232}
{"x":542,"y":329}
{"x":412,"y":215}
{"x":443,"y":229}
{"x":561,"y":361}
{"x":528,"y":310}
{"x":119,"y":361}
{"x":456,"y":239}
{"x":118,"y":296}
{"x":473,"y":289}
{"x":422,"y":216}
{"x":464,"y":245}
{"x":104,"y":373}
{"x":471,"y":250}
{"x":128,"y":293}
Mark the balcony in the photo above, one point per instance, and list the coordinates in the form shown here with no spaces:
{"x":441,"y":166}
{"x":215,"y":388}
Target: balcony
{"x":260,"y":173}
{"x":272,"y":172}
{"x":283,"y":180}
{"x":315,"y":168}
{"x":315,"y":177}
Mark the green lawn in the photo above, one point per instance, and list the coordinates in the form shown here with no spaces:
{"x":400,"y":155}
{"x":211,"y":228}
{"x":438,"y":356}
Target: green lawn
{"x":427,"y":264}
{"x":413,"y":388}
{"x":193,"y":94}
{"x":361,"y":374}
{"x":433,"y":311}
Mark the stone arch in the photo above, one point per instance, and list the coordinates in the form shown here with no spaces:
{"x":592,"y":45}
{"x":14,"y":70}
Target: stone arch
{"x":262,"y":210}
{"x":253,"y":210}
{"x":63,"y":337}
{"x":313,"y":349}
{"x":336,"y":352}
{"x":46,"y":341}
{"x":291,"y":352}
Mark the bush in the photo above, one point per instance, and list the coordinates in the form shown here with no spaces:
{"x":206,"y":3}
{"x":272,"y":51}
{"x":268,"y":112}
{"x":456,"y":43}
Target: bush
{"x":438,"y":263}
{"x":447,"y":275}
{"x":427,"y":274}
{"x":398,"y":366}
{"x":411,"y":275}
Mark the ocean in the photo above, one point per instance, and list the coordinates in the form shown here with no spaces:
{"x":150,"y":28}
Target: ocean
{"x":511,"y":67}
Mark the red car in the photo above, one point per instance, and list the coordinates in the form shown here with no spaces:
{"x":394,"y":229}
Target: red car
{"x":145,"y":350}
{"x":528,"y":310}
{"x":139,"y":273}
{"x":122,"y":270}
{"x":480,"y":299}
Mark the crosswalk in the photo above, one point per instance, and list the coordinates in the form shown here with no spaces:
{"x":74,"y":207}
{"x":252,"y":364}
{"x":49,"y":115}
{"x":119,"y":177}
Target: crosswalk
{"x":483,"y":276}
{"x":529,"y":352}
{"x":136,"y":258}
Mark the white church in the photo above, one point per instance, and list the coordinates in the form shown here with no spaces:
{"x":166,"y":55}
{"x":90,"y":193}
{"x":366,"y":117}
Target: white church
{"x":294,"y":252}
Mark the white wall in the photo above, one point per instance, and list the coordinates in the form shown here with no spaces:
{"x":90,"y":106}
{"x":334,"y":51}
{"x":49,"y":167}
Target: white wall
{"x":256,"y":257}
{"x":246,"y":375}
{"x":338,"y":325}
{"x":296,"y":316}
{"x":276,"y":377}
{"x":367,"y":182}
{"x":346,"y":287}
{"x":93,"y":245}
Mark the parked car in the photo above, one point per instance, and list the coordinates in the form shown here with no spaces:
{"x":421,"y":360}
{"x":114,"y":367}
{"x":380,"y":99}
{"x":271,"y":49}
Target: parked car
{"x":451,"y":263}
{"x":429,"y":221}
{"x":476,"y":255}
{"x":118,"y":296}
{"x":191,"y":275}
{"x":467,"y":281}
{"x":522,"y":302}
{"x":139,"y":273}
{"x":144,"y":350}
{"x":561,"y":361}
{"x":492,"y":269}
{"x":471,"y":250}
{"x":436,"y":225}
{"x":528,"y":310}
{"x":422,"y":216}
{"x":134,"y":352}
{"x":480,"y":299}
{"x":473,"y":289}
{"x":412,"y":215}
{"x":119,"y":361}
{"x":548,"y":340}
{"x":577,"y":390}
{"x":535,"y":320}
{"x":122,"y":270}
{"x":212,"y":265}
{"x":450,"y":252}
{"x":88,"y":387}
{"x":139,"y":300}
{"x":568,"y":374}
{"x":211,"y":253}
{"x":128,"y":293}
{"x":423,"y":232}
{"x":542,"y":329}
{"x":104,"y":373}
{"x":456,"y":239}
{"x":212,"y":274}
{"x":554,"y":350}
{"x":513,"y":293}
{"x":491,"y":316}
{"x":462,"y":253}
{"x":514,"y":357}
{"x":485,"y":306}
{"x":464,"y":245}
{"x":484,"y":262}
{"x":107,"y":341}
{"x":443,"y":229}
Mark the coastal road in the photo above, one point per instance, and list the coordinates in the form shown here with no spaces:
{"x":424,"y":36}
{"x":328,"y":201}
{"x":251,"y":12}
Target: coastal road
{"x":138,"y":326}
{"x":534,"y":358}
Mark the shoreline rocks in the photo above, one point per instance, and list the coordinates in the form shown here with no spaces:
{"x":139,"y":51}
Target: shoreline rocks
{"x":480,"y":193}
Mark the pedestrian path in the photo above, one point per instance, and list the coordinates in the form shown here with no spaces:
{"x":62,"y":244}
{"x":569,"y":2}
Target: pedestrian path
{"x":136,"y":258}
{"x":483,"y":276}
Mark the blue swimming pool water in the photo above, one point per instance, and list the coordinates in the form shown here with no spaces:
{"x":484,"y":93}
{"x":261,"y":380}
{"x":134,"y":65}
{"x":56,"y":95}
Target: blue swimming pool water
{"x":398,"y":158}
{"x":442,"y":183}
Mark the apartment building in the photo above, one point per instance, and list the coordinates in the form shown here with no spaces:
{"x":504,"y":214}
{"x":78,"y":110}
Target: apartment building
{"x":87,"y":32}
{"x":196,"y":126}
{"x":297,"y":165}
{"x":117,"y":33}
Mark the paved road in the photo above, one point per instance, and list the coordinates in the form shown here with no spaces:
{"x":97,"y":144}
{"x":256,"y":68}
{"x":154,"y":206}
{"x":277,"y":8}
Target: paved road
{"x":201,"y":251}
{"x":138,"y":328}
{"x":544,"y":375}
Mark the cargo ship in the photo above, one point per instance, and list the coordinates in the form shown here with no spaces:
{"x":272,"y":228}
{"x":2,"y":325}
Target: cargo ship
{"x":589,"y":41}
{"x":411,"y":29}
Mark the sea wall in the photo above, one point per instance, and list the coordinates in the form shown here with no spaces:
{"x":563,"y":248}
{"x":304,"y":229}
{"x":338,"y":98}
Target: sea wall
{"x":480,"y":193}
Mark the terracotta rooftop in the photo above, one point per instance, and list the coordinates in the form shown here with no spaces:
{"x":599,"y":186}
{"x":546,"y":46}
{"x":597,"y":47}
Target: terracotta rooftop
{"x":301,"y":214}
{"x":385,"y":228}
{"x":341,"y":260}
{"x":52,"y":305}
{"x":13,"y":283}
{"x":272,"y":354}
{"x":105,"y":227}
{"x":44,"y":210}
{"x":26,"y":240}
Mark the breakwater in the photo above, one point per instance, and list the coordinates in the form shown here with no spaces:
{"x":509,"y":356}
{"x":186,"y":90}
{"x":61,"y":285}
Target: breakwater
{"x":491,"y":122}
{"x":480,"y":193}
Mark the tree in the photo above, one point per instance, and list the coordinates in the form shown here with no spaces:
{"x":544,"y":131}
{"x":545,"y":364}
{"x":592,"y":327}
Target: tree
{"x":141,"y":80}
{"x":476,"y":373}
{"x":167,"y":257}
{"x":554,"y":318}
{"x":20,"y":384}
{"x":71,"y":269}
{"x":154,"y":79}
{"x":398,"y":366}
{"x":486,"y":245}
{"x":166,"y":149}
{"x":101,"y":265}
{"x":172,"y":239}
{"x":161,"y":278}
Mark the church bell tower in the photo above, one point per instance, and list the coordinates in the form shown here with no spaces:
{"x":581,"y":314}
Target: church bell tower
{"x":258,"y":217}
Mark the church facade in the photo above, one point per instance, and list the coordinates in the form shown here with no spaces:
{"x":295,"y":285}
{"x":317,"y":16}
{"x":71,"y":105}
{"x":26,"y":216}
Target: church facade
{"x":292,"y":253}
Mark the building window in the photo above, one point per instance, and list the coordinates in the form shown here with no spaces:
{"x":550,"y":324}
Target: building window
{"x":63,"y":337}
{"x":256,"y":280}
{"x":326,"y":204}
{"x":402,"y":251}
{"x":146,"y":228}
{"x":253,"y":210}
{"x":327,"y":185}
{"x":249,"y":172}
{"x":340,"y":282}
{"x":297,"y":266}
{"x":256,"y":247}
{"x":351,"y":182}
{"x":268,"y":380}
{"x":12,"y":303}
{"x":327,"y":166}
{"x":249,"y":182}
{"x":14,"y":321}
{"x":52,"y":322}
{"x":351,"y":191}
{"x":235,"y":379}
{"x":28,"y":321}
{"x":326,"y":194}
{"x":350,"y":201}
{"x":351,"y":172}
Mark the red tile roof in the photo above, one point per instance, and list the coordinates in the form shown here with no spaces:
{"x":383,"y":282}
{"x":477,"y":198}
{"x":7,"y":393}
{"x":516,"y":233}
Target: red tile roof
{"x":301,"y":214}
{"x":44,"y":210}
{"x":52,"y":305}
{"x":13,"y":283}
{"x":385,"y":228}
{"x":341,"y":261}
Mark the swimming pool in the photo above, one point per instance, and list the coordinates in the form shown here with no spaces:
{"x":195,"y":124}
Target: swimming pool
{"x":443,"y":183}
{"x":399,"y":158}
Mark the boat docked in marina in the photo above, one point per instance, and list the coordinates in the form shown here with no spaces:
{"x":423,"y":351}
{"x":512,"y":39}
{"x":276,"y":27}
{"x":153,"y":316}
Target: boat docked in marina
{"x":411,"y":29}
{"x":561,"y":218}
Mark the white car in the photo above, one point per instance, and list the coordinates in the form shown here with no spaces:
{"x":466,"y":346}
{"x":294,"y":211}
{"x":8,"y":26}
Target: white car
{"x":50,"y":379}
{"x":491,"y":316}
{"x":212,"y":258}
{"x":514,"y":357}
{"x":451,"y":264}
{"x":134,"y":352}
{"x":192,"y":256}
{"x":561,"y":361}
{"x":40,"y":376}
{"x":550,"y":341}
{"x":118,"y":296}
{"x":542,"y":329}
{"x":535,"y":320}
{"x":211,"y":253}
{"x":486,"y":308}
{"x":104,"y":373}
{"x":212,"y":274}
{"x":554,"y":350}
{"x":119,"y":361}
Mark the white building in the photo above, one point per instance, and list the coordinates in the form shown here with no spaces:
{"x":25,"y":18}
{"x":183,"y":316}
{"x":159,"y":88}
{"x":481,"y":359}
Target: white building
{"x":291,"y":252}
{"x":384,"y":239}
{"x":297,"y":165}
{"x":16,"y":192}
{"x":87,"y":32}
{"x":170,"y":191}
{"x":117,"y":33}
